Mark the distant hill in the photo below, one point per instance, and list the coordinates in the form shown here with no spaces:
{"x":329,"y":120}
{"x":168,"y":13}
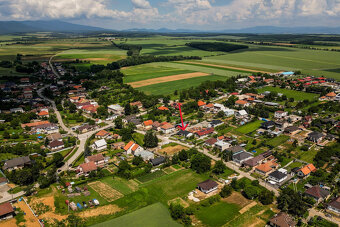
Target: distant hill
{"x":8,"y":27}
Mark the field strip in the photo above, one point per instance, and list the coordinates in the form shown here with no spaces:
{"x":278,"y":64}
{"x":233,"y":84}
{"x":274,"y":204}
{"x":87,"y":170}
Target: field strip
{"x":166,"y":79}
{"x":226,"y":67}
{"x":105,"y":191}
{"x":246,"y":208}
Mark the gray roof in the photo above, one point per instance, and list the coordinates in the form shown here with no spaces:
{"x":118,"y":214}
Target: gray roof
{"x":235,"y":149}
{"x":16,"y":162}
{"x":242,"y":156}
{"x":277,"y":174}
{"x":315,"y":135}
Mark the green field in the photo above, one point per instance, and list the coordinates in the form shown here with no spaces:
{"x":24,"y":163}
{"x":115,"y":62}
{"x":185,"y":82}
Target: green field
{"x":250,"y":127}
{"x":278,"y":140}
{"x":169,"y":87}
{"x":146,"y":76}
{"x":217,"y":214}
{"x":150,"y":176}
{"x":297,"y":95}
{"x":151,"y":216}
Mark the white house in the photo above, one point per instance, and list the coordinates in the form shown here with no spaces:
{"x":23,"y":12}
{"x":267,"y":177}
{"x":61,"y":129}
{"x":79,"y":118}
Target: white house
{"x":229,"y":112}
{"x":277,"y":176}
{"x":100,"y":145}
{"x":280,"y":114}
{"x":241,"y":114}
{"x":98,"y":159}
{"x":167,"y":128}
{"x":207,"y":186}
{"x":146,"y":155}
{"x":132,"y":148}
{"x":116,"y":109}
{"x":221,"y":145}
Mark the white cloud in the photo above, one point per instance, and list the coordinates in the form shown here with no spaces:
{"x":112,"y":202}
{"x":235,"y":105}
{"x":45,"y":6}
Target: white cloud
{"x":143,"y":4}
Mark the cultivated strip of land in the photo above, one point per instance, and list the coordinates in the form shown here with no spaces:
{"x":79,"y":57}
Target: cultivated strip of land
{"x":167,"y":79}
{"x":225,"y":67}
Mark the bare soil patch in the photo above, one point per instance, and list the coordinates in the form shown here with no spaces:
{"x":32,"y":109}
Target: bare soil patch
{"x":102,"y":210}
{"x":50,"y":215}
{"x":8,"y":223}
{"x":246,"y":208}
{"x":166,"y":79}
{"x":172,"y":150}
{"x":31,"y":220}
{"x":105,"y":191}
{"x":237,"y":198}
{"x":227,"y":67}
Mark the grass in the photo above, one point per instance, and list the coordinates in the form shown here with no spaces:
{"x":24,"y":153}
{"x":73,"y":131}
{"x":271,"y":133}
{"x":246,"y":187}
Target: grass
{"x":169,"y":87}
{"x":119,"y":184}
{"x":278,"y":140}
{"x":150,"y":176}
{"x":151,"y":216}
{"x":250,"y":127}
{"x":308,"y":156}
{"x":297,"y":95}
{"x":139,"y":138}
{"x":6,"y":156}
{"x":247,"y":218}
{"x":15,"y":190}
{"x":146,"y":76}
{"x":217,"y":214}
{"x":294,"y":165}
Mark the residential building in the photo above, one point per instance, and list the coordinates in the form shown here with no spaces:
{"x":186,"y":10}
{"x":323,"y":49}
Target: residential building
{"x":282,"y":220}
{"x":215,"y":123}
{"x":157,"y":161}
{"x":55,"y":136}
{"x":306,"y":170}
{"x":132,"y":119}
{"x":210,"y":142}
{"x":221,"y":145}
{"x":146,"y":155}
{"x":266,"y":167}
{"x":56,"y":145}
{"x":241,"y":114}
{"x":102,"y":134}
{"x":268,"y":125}
{"x":242,"y":103}
{"x":204,"y":132}
{"x":292,"y":130}
{"x":207,"y":186}
{"x":277,"y":177}
{"x":148,"y":124}
{"x":128,"y":147}
{"x":86,"y":168}
{"x":116,"y":109}
{"x":315,"y":137}
{"x":6,"y":211}
{"x":98,"y":159}
{"x":16,"y":163}
{"x":184,"y":133}
{"x":280,"y":114}
{"x":334,"y":206}
{"x":317,"y":193}
{"x":229,"y":112}
{"x":167,"y":128}
{"x":100,"y":145}
{"x":236,"y":149}
{"x":241,"y":157}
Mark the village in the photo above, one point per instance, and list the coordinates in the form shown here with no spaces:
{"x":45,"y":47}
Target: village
{"x":263,"y":140}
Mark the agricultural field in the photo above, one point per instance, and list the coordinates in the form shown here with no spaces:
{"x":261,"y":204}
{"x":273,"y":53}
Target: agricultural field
{"x":151,"y":216}
{"x":250,"y":127}
{"x":297,"y":95}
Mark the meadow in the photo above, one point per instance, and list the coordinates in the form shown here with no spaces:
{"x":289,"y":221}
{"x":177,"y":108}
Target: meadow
{"x":250,"y":127}
{"x":297,"y":95}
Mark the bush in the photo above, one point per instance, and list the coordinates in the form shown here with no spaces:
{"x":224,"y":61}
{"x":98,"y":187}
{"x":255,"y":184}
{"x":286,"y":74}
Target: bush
{"x":226,"y":191}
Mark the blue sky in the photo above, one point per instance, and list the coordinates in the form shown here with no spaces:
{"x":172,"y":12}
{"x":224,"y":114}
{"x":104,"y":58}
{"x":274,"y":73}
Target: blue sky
{"x":177,"y":14}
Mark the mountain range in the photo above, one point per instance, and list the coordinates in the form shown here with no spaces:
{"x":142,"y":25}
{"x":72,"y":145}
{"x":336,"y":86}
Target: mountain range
{"x":8,"y":27}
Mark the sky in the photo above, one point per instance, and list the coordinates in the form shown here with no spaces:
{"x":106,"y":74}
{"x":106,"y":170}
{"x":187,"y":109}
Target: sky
{"x":177,"y":14}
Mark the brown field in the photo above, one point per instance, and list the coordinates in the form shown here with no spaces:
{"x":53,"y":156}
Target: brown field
{"x":172,"y":150}
{"x":226,"y":67}
{"x":50,"y":215}
{"x":9,"y":223}
{"x":238,"y":199}
{"x":31,"y":220}
{"x":102,"y":210}
{"x":105,"y":191}
{"x":166,"y":79}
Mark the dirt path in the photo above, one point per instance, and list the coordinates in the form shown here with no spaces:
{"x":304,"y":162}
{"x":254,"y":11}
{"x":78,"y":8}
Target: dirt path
{"x":226,"y":67}
{"x":166,"y":79}
{"x":246,"y":208}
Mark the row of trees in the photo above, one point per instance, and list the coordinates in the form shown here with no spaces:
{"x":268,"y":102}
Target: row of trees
{"x":216,"y":46}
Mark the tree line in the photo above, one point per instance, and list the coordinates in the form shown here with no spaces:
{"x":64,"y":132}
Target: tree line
{"x":216,"y":46}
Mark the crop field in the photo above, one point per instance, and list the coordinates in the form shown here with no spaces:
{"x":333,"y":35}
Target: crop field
{"x":151,"y":216}
{"x":313,"y":62}
{"x":105,"y":191}
{"x":297,"y":95}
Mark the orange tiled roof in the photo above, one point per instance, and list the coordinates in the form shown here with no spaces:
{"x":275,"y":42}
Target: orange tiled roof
{"x":332,"y":94}
{"x":241,"y":102}
{"x":101,"y":133}
{"x":148,"y":122}
{"x":167,"y":126}
{"x":135,"y":147}
{"x":127,"y":147}
{"x":201,"y":103}
{"x":265,"y":167}
{"x":210,"y":105}
{"x":34,"y":124}
{"x":43,"y":113}
{"x":163,"y":108}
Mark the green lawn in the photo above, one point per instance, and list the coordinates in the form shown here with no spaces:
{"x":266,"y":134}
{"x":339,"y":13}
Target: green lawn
{"x":250,"y":127}
{"x":139,"y":138}
{"x":146,"y":76}
{"x":294,"y":165}
{"x":154,"y":215}
{"x":150,"y":176}
{"x":276,"y":141}
{"x":297,"y":95}
{"x":121,"y":185}
{"x":307,"y":156}
{"x":217,"y":214}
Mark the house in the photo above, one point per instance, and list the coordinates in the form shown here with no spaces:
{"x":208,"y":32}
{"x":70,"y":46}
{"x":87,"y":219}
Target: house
{"x":266,"y":167}
{"x":317,"y":193}
{"x":200,"y":103}
{"x":148,"y":124}
{"x":315,"y":137}
{"x":116,"y":109}
{"x":55,"y":136}
{"x":3,"y":181}
{"x":282,"y":220}
{"x":229,"y":112}
{"x":85,"y":128}
{"x":242,"y":103}
{"x":215,"y":123}
{"x":86,"y":168}
{"x":56,"y":145}
{"x":257,"y":160}
{"x":210,"y":142}
{"x":163,"y":108}
{"x":6,"y":211}
{"x":236,"y":149}
{"x":331,"y":96}
{"x":98,"y":159}
{"x":207,"y":186}
{"x":267,"y":125}
{"x":277,"y":176}
{"x":128,"y":147}
{"x":118,"y":145}
{"x":292,"y":130}
{"x":280,"y":114}
{"x":221,"y":145}
{"x":204,"y":132}
{"x":306,"y":170}
{"x":17,"y":110}
{"x":156,"y":125}
{"x":146,"y":155}
{"x":240,"y":157}
{"x":184,"y":133}
{"x":43,"y":114}
{"x":102,"y":134}
{"x":100,"y":145}
{"x":132,"y":119}
{"x":167,"y":128}
{"x":157,"y":161}
{"x":16,"y":163}
{"x":241,"y":114}
{"x":334,"y":206}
